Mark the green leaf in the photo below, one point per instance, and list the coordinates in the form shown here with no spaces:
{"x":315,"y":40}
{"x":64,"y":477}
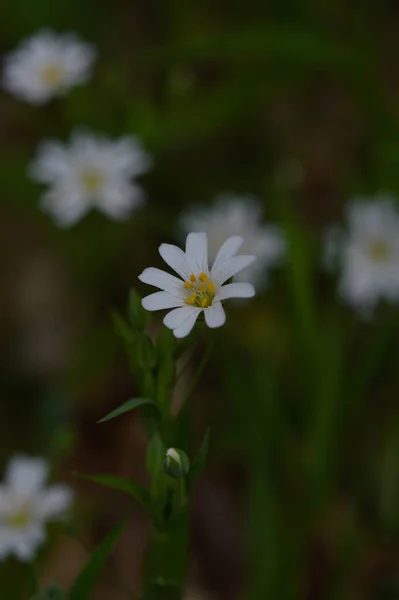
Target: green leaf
{"x":83,"y":586}
{"x":138,"y":316}
{"x":53,"y":592}
{"x":128,"y":406}
{"x":198,"y":463}
{"x":122,"y":328}
{"x":146,"y":353}
{"x":122,"y":484}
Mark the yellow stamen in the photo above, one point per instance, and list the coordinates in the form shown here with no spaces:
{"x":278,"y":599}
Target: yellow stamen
{"x":188,"y":285}
{"x":202,"y":287}
{"x":379,"y":250}
{"x":19,"y":518}
{"x":204,"y":302}
{"x":92,"y":179}
{"x":192,"y":298}
{"x":51,"y":74}
{"x":203,"y":277}
{"x":211,"y":287}
{"x":193,"y":278}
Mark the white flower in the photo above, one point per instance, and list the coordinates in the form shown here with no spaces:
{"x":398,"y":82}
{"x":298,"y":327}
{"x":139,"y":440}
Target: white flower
{"x":93,"y":171}
{"x":26,"y":504}
{"x":47,"y":64}
{"x":239,"y":215}
{"x":367,"y":253}
{"x":200,"y":289}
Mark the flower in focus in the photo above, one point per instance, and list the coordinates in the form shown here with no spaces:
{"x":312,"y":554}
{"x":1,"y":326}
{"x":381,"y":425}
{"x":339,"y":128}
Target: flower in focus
{"x":200,"y":289}
{"x":93,"y":171}
{"x":367,"y":252}
{"x":26,"y":504}
{"x":239,"y":215}
{"x":47,"y":64}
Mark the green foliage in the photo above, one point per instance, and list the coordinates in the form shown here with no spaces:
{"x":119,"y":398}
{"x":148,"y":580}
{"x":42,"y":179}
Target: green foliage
{"x":82,"y":588}
{"x":122,"y":484}
{"x":128,"y":406}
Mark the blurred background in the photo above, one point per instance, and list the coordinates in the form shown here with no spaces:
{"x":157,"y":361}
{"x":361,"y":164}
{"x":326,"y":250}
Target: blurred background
{"x":297,"y":104}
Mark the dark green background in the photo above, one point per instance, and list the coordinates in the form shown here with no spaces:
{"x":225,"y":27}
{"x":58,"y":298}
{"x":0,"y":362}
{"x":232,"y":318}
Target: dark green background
{"x":301,"y":496}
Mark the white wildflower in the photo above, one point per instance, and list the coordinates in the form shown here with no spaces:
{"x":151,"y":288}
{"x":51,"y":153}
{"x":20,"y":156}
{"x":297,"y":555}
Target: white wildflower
{"x":367,"y":252}
{"x":239,"y":215}
{"x":47,"y":64}
{"x":200,"y":289}
{"x":25,"y":506}
{"x":94,"y":171}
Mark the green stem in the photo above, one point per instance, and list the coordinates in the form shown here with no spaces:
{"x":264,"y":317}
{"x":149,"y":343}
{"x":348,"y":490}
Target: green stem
{"x":165,"y":575}
{"x":167,"y":561}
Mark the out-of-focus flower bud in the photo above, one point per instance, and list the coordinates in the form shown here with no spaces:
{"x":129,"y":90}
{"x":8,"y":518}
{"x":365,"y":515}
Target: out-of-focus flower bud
{"x":176,"y":463}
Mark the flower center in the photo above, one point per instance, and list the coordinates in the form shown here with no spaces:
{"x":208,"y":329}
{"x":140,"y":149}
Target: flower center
{"x":92,"y":179}
{"x":379,"y":250}
{"x":20,"y":517}
{"x":51,"y":74}
{"x":201,"y":290}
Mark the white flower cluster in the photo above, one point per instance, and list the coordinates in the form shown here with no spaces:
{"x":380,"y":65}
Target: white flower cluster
{"x":47,"y":64}
{"x":93,"y":171}
{"x":26,"y":504}
{"x":367,"y":253}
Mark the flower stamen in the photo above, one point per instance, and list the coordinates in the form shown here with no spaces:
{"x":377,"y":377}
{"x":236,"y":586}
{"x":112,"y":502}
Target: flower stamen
{"x":202,"y":291}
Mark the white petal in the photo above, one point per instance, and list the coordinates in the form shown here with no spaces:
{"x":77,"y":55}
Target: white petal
{"x":215,"y":315}
{"x":119,"y":199}
{"x":228,"y":268}
{"x":51,"y":163}
{"x":176,"y":259}
{"x":163,"y":281}
{"x":230,"y":248}
{"x":64,"y":207}
{"x":197,"y":250}
{"x":24,"y":543}
{"x":160,"y":301}
{"x":175,"y":318}
{"x":236,"y":290}
{"x":26,"y":475}
{"x":54,"y":501}
{"x":187,"y":325}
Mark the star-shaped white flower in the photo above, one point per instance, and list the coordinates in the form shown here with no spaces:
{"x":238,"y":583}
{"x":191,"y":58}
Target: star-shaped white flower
{"x":25,"y":506}
{"x":239,"y":215}
{"x":367,"y":252}
{"x":201,"y":289}
{"x":94,"y":171}
{"x":47,"y":64}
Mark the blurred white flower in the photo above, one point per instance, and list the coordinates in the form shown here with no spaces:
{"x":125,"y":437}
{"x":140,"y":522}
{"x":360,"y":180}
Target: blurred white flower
{"x":239,"y":215}
{"x":26,"y":504}
{"x":94,"y":171}
{"x":200,"y":289}
{"x":367,"y":253}
{"x":47,"y":64}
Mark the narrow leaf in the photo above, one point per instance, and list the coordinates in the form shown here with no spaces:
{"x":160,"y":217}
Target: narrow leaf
{"x":83,"y":586}
{"x":199,"y":462}
{"x":127,"y":486}
{"x":128,"y":406}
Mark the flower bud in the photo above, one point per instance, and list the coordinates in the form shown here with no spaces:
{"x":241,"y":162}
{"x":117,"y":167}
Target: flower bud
{"x":176,"y":463}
